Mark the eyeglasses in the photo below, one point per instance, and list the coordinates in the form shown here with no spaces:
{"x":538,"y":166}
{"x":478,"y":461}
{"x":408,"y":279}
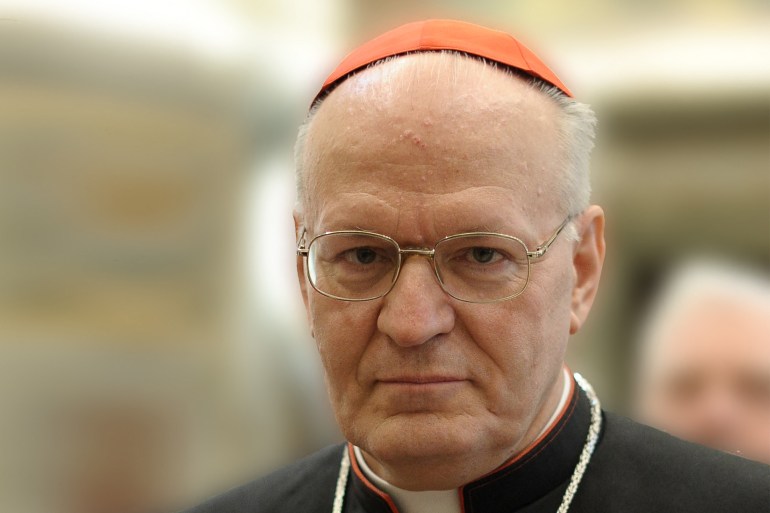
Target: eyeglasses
{"x":476,"y":267}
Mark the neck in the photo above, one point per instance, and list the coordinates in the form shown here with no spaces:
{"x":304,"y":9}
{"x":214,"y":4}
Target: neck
{"x":439,"y":474}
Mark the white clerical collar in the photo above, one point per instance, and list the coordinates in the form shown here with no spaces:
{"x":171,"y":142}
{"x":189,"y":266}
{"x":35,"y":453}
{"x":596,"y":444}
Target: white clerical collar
{"x":565,"y":390}
{"x":444,"y":501}
{"x":431,"y":501}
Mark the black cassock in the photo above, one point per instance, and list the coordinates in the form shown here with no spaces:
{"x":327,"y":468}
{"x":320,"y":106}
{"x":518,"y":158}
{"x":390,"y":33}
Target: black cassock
{"x":634,"y":469}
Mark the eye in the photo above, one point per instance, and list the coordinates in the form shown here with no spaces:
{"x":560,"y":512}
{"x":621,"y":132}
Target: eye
{"x":483,"y":255}
{"x":361,"y":255}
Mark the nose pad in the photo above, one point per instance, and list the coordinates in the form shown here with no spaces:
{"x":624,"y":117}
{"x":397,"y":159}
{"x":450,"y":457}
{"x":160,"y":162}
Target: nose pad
{"x":417,"y":309}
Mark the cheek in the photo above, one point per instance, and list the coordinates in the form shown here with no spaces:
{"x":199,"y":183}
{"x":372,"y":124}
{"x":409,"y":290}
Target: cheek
{"x":525,"y":343}
{"x":551,"y":313}
{"x":542,"y":323}
{"x":342,"y":333}
{"x":523,"y":346}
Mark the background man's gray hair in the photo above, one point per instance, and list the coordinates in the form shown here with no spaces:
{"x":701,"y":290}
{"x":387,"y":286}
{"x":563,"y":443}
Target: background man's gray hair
{"x":578,"y":124}
{"x":688,"y":285}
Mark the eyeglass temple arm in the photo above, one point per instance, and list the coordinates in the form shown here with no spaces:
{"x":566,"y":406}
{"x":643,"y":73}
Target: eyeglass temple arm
{"x":301,"y":249}
{"x":543,"y":248}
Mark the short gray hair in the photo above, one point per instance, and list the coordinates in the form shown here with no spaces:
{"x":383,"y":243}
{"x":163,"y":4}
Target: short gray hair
{"x":577,"y":129}
{"x":690,"y":284}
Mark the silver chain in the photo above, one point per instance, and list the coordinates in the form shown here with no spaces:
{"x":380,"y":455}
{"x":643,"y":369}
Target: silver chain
{"x":342,"y":480}
{"x":588,"y":447}
{"x":577,"y":474}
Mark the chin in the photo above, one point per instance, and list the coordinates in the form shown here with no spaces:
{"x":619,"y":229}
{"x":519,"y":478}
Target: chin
{"x":426,"y":437}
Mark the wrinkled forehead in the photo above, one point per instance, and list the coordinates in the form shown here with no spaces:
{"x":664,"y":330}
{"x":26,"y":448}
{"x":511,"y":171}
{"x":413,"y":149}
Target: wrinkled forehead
{"x":438,"y":112}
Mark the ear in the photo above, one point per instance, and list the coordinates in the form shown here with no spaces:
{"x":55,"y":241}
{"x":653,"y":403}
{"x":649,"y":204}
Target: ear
{"x":301,"y":275}
{"x":587,"y":260}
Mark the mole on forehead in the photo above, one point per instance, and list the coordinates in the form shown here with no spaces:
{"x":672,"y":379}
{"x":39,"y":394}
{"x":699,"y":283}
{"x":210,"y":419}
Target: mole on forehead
{"x":466,"y":132}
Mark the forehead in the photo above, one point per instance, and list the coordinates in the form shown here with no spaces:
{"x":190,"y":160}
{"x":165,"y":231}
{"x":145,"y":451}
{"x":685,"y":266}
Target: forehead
{"x":434,"y":124}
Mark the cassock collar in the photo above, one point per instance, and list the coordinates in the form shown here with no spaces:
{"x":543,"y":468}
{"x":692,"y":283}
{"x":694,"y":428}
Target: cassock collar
{"x":545,"y":465}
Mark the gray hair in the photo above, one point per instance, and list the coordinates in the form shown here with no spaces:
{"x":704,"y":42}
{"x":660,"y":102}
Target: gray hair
{"x":577,"y":128}
{"x":690,"y":284}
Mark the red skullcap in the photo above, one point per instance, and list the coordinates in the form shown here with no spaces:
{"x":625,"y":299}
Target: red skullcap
{"x":434,"y":35}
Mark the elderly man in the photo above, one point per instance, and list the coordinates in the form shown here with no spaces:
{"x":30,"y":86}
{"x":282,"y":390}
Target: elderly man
{"x":447,"y":251}
{"x":704,"y":366}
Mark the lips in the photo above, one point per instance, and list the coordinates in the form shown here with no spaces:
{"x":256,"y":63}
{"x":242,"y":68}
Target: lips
{"x":419,"y":393}
{"x":420,"y":379}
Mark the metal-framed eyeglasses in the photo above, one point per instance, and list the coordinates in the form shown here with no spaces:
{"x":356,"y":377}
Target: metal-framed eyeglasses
{"x":475,"y":267}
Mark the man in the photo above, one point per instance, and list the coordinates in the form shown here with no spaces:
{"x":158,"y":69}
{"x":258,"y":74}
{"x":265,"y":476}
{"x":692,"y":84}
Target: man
{"x":704,"y":371}
{"x":447,"y":251}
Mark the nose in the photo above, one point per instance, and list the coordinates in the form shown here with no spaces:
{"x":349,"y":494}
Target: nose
{"x":417,"y":309}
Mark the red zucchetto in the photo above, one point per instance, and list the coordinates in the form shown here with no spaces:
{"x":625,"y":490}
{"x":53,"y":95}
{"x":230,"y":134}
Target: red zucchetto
{"x":436,"y":35}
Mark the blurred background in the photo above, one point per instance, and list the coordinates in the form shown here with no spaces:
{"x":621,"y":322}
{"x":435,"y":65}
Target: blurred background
{"x":153,"y":347}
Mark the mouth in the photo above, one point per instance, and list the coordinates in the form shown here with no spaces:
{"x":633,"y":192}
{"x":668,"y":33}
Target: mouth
{"x":420,"y":380}
{"x":421,"y":393}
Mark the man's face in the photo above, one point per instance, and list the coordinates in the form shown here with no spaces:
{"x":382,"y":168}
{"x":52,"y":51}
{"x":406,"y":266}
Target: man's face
{"x":709,"y":378}
{"x":417,"y":377}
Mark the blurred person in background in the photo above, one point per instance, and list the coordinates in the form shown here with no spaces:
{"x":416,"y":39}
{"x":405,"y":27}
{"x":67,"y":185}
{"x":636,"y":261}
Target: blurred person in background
{"x":446,"y":252}
{"x":704,"y":367}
